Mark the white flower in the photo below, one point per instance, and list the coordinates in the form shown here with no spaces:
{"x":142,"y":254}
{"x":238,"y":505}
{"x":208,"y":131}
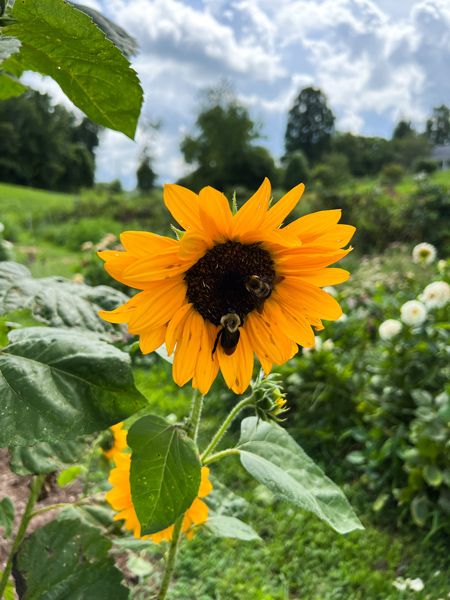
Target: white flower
{"x":424,"y":253}
{"x":389,"y":329}
{"x":399,"y":583}
{"x":342,"y":318}
{"x":329,"y":289}
{"x":317,"y":346}
{"x":442,"y":265}
{"x":436,"y":294}
{"x":328,"y":345}
{"x":415,"y":584}
{"x":2,"y":227}
{"x":413,"y":313}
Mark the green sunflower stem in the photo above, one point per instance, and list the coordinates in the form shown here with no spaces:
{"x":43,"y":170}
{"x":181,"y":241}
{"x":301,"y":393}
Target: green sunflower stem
{"x":171,"y":559}
{"x":236,"y":410}
{"x":219,"y":455}
{"x":36,"y":486}
{"x":196,"y":413}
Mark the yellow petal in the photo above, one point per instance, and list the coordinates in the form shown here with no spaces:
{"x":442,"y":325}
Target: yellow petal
{"x":188,"y":348}
{"x":176,"y":326}
{"x":324,"y":277}
{"x":184,"y":206}
{"x":338,"y":236}
{"x":305,"y":298}
{"x":198,"y":512}
{"x":123,"y":313}
{"x":283,"y":207}
{"x":142,"y":243}
{"x":253,"y":213}
{"x":273,"y":241}
{"x":194,"y":243}
{"x":161,"y":266}
{"x":215,"y":213}
{"x":158,"y":306}
{"x":152,"y":339}
{"x":267,"y":339}
{"x":205,"y":485}
{"x":292,"y":262}
{"x":207,"y":365}
{"x":312,"y":226}
{"x":237,"y":368}
{"x":293,"y":323}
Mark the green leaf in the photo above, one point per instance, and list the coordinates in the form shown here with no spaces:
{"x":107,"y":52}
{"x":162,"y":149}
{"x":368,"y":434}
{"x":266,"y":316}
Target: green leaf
{"x":44,"y":457}
{"x":68,"y":560}
{"x":57,"y":384}
{"x":7,"y":515}
{"x":432,"y":475}
{"x":8,"y":46}
{"x":9,"y":591}
{"x":68,"y":475}
{"x":270,"y":454}
{"x":419,"y":510}
{"x":230,"y":527}
{"x":139,"y":566}
{"x":10,"y":87}
{"x":10,"y":271}
{"x":165,"y":472}
{"x":64,"y":43}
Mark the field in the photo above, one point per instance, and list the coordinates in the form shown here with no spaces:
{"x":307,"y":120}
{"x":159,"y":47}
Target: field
{"x":356,"y":406}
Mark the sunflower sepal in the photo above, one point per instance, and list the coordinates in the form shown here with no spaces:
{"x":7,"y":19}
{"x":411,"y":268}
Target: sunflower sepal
{"x":178,"y":232}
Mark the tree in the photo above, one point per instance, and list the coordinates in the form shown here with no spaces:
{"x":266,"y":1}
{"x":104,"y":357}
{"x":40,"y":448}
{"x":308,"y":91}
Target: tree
{"x":438,"y":126}
{"x":402,"y":130}
{"x":43,"y":146}
{"x":297,"y":170}
{"x":222,"y":150}
{"x":310,"y":125}
{"x":145,"y":176}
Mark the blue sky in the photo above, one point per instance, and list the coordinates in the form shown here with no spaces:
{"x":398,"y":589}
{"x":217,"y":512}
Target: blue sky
{"x":376,"y":62}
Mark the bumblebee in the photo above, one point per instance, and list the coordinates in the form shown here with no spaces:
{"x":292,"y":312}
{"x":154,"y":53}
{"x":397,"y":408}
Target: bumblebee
{"x":262,"y":287}
{"x":229,"y":335}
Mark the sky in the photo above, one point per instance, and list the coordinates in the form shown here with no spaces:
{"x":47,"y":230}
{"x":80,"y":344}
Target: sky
{"x":376,"y":61}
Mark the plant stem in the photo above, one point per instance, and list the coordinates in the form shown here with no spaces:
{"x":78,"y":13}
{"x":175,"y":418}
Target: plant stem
{"x":36,"y":486}
{"x":216,"y":439}
{"x":194,"y":417}
{"x":93,"y":451}
{"x":218,"y":455}
{"x":171,"y":559}
{"x":196,"y":412}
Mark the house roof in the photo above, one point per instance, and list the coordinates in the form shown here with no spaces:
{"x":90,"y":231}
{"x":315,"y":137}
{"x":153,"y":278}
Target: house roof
{"x":440,"y":152}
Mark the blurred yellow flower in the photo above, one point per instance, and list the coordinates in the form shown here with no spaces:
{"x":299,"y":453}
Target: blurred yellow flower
{"x":120,"y":499}
{"x":233,"y":285}
{"x":119,"y":442}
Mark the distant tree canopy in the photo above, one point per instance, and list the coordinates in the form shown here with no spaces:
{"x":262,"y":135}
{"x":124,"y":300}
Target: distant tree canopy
{"x":402,"y":130}
{"x":145,"y":176}
{"x":222,"y":150}
{"x":310,"y":125}
{"x":42,"y":145}
{"x":438,"y":126}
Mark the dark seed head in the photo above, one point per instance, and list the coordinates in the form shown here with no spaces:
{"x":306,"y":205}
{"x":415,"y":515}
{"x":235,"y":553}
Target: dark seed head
{"x":216,"y":284}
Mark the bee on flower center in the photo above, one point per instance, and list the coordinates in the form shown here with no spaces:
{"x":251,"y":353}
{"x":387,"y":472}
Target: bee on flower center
{"x":262,"y":287}
{"x":229,"y":335}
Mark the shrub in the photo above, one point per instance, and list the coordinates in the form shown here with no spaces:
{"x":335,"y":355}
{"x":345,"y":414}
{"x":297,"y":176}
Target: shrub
{"x":392,"y":173}
{"x":426,"y":165}
{"x":297,"y":170}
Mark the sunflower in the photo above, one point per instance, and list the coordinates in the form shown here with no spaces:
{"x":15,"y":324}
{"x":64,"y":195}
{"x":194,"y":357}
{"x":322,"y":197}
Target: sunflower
{"x":232,"y":285}
{"x":118,"y":442}
{"x":120,"y":499}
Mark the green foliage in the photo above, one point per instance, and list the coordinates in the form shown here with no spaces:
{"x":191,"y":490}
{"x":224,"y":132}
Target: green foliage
{"x":99,"y":81}
{"x":392,"y":173}
{"x":332,"y":172}
{"x":270,"y":454}
{"x":43,"y":146}
{"x":229,"y":527}
{"x":426,"y":165}
{"x":438,"y":125}
{"x":403,"y":129}
{"x":145,"y":176}
{"x":296,"y":169}
{"x":44,"y":457}
{"x":310,"y":125}
{"x":7,"y":513}
{"x":223,"y":151}
{"x":59,"y":384}
{"x":165,"y":472}
{"x":67,"y":560}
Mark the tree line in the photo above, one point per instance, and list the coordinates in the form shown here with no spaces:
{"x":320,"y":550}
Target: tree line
{"x":44,"y":146}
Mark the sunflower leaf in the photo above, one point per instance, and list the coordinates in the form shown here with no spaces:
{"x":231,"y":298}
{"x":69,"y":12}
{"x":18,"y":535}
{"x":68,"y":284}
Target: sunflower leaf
{"x":68,"y":559}
{"x":7,"y":515}
{"x":165,"y":472}
{"x":230,"y":527}
{"x":57,"y":384}
{"x":271,"y":455}
{"x":44,"y":457}
{"x":64,"y":43}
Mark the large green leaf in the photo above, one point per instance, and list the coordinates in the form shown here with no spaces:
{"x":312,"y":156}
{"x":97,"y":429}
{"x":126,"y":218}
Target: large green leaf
{"x":57,"y":384}
{"x":8,"y":46}
{"x":44,"y":457}
{"x":56,"y":301}
{"x":7,"y":515}
{"x":270,"y":454}
{"x":10,"y":87}
{"x":223,"y":526}
{"x":165,"y":472}
{"x":67,"y":560}
{"x":64,"y":43}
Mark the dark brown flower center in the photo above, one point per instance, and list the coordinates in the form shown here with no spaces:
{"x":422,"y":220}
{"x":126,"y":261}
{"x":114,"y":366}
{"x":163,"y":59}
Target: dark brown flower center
{"x":216,"y":284}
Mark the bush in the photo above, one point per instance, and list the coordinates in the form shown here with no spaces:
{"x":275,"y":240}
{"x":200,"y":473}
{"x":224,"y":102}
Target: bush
{"x":425,"y":165}
{"x":296,"y":171}
{"x":392,"y":173}
{"x":333,"y":172}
